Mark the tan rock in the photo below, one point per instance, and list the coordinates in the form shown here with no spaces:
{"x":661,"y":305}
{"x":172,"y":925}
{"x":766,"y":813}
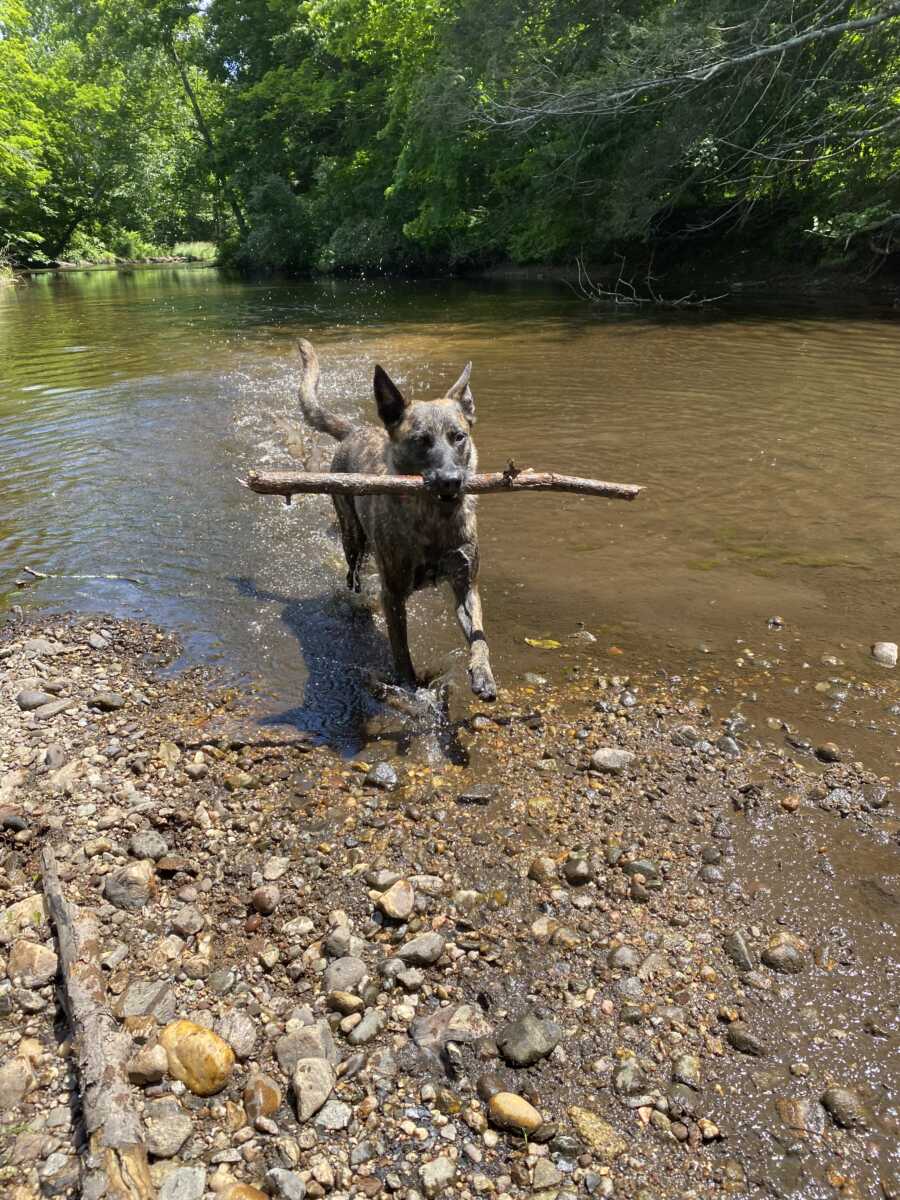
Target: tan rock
{"x":243,"y":1191}
{"x":235,"y":1117}
{"x":16,"y":1081}
{"x":398,"y":901}
{"x":313,"y":1081}
{"x":605,"y":1141}
{"x":197,"y":1056}
{"x":220,"y":1180}
{"x":510,"y":1111}
{"x":345,"y":1002}
{"x":262,"y":1097}
{"x":148,"y":1066}
{"x":30,"y":911}
{"x":31,"y":1050}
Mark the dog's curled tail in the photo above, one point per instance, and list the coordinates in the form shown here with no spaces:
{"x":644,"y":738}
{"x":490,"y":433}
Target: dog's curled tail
{"x":317,"y":416}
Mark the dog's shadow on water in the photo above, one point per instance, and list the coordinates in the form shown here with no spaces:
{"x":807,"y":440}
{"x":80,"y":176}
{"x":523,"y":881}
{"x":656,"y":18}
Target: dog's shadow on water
{"x":346,"y":702}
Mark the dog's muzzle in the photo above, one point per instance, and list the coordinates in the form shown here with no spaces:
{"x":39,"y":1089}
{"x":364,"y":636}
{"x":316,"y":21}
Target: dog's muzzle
{"x":447,"y":485}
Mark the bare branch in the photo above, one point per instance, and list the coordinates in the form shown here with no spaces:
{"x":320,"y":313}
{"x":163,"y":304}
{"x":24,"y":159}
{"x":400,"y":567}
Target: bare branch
{"x":589,"y":101}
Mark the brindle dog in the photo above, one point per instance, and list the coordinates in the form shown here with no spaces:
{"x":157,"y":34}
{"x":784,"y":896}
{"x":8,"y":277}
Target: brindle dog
{"x":417,"y":540}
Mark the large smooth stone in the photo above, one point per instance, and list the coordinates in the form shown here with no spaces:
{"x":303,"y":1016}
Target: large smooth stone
{"x":197,"y":1056}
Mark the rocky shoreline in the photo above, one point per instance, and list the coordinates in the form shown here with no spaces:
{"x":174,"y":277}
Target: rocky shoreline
{"x":552,"y":976}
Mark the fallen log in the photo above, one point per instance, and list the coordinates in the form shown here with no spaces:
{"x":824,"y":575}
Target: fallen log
{"x":291,"y":483}
{"x":115,"y":1164}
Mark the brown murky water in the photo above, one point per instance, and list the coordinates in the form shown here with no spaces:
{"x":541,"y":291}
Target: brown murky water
{"x":769,"y":443}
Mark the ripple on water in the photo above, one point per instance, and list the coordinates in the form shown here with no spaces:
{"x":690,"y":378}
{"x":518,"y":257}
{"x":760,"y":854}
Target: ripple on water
{"x":130,"y":404}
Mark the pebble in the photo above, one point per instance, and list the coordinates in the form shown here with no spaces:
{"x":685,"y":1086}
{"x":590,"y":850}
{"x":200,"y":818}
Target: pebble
{"x":184,"y":1183}
{"x":286,"y":1184}
{"x":129,"y":888}
{"x":846,"y":1108}
{"x":334,"y":1115}
{"x":239,"y":1031}
{"x":545,"y":1175}
{"x":800,"y":1114}
{"x":197,"y":1056}
{"x":188,"y":921}
{"x":686,"y":1070}
{"x":611,"y":760}
{"x":605,"y":1141}
{"x":262,"y":1097}
{"x":829,"y":752}
{"x":29,"y":700}
{"x":527,"y":1040}
{"x":16,"y":1081}
{"x":368,"y":1027}
{"x":275,"y":868}
{"x":422,"y":951}
{"x":543,"y":870}
{"x":106,"y":701}
{"x":148,"y":1065}
{"x":147,"y":843}
{"x":47,"y":711}
{"x":313,"y":1081}
{"x":437,"y":1175}
{"x":740,"y":1037}
{"x":265,"y":899}
{"x":146,"y":998}
{"x":885,"y":653}
{"x":738,"y":951}
{"x":509,"y":1111}
{"x":382,"y":775}
{"x":624,"y":958}
{"x":31,"y":964}
{"x":479,"y":793}
{"x":168,"y":1127}
{"x":577,"y":871}
{"x":784,"y":954}
{"x":398,"y":901}
{"x":345,"y":974}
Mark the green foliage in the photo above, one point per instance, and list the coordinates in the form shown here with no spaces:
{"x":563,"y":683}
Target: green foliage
{"x":195,"y":251}
{"x":410,"y":135}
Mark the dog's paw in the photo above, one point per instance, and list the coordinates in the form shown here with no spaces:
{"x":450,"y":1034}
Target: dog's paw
{"x":483,"y":685}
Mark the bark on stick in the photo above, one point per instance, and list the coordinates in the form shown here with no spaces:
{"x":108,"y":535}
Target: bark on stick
{"x":290,"y":483}
{"x":115,"y":1164}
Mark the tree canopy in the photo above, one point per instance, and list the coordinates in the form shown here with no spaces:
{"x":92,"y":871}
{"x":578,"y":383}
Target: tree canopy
{"x":422,"y":134}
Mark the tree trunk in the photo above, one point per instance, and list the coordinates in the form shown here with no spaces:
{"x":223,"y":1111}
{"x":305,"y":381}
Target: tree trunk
{"x":115,"y":1166}
{"x":205,"y":133}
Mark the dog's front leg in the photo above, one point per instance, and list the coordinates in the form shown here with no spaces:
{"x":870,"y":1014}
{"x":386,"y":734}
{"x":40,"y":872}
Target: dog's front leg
{"x":394,"y":605}
{"x":468,"y":613}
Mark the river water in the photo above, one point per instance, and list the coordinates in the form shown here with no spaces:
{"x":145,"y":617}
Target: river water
{"x":769,"y":443}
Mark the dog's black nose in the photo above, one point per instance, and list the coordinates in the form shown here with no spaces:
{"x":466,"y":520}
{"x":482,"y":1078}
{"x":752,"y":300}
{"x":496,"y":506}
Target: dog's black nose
{"x":445,"y":482}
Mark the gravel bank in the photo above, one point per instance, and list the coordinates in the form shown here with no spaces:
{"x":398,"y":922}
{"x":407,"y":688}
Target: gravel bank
{"x":572,"y":968}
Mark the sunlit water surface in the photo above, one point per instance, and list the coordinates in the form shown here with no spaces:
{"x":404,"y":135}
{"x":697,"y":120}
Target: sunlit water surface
{"x":130,"y":403}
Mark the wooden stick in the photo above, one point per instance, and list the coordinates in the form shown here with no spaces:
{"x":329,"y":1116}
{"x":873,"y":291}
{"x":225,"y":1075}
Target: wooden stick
{"x":115,"y":1167}
{"x":290,"y":483}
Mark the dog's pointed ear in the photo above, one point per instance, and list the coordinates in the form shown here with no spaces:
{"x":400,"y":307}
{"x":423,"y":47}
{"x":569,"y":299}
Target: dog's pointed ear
{"x":462,"y":394}
{"x":390,"y":400}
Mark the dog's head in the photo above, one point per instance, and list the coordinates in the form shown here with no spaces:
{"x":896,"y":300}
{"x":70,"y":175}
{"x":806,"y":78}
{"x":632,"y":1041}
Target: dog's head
{"x":431,"y":438}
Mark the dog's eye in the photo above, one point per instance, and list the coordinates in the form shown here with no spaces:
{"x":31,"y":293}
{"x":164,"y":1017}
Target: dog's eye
{"x":457,"y":437}
{"x":424,"y":441}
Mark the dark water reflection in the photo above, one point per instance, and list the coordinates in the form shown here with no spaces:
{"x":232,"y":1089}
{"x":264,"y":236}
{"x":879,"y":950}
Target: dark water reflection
{"x":131,"y":401}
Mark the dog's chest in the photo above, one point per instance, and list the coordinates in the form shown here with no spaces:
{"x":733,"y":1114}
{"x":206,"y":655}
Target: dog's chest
{"x":431,"y":567}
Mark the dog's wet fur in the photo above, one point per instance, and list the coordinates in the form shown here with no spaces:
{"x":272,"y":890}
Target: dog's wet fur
{"x":416,"y":540}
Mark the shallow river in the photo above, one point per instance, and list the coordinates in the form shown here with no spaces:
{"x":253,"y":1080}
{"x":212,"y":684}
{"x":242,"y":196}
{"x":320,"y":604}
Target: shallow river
{"x":130,"y":401}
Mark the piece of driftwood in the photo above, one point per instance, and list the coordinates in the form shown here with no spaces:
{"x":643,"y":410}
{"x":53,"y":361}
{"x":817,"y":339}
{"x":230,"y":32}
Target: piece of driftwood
{"x":291,"y":483}
{"x":115,"y":1164}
